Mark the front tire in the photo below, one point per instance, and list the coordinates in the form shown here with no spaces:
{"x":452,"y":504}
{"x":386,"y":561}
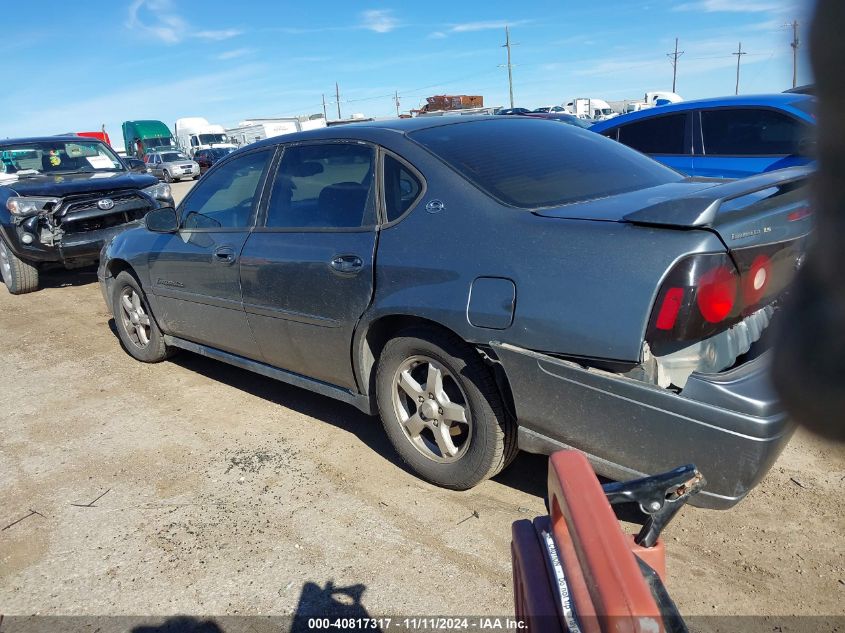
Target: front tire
{"x":167,"y":177}
{"x":136,"y":327}
{"x":19,"y":276}
{"x":442,"y":410}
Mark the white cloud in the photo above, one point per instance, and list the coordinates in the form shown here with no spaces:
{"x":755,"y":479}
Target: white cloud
{"x":379,"y":20}
{"x":234,"y":54}
{"x":159,"y":19}
{"x":468,"y":27}
{"x":732,"y":6}
{"x":166,"y":25}
{"x":437,"y":35}
{"x":220,"y":35}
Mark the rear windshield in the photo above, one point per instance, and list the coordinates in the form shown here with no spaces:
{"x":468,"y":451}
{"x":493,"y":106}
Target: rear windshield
{"x":534,"y":163}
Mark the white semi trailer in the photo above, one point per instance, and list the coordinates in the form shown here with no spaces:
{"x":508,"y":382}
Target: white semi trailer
{"x":194,"y":133}
{"x":586,"y":107}
{"x":252,"y":130}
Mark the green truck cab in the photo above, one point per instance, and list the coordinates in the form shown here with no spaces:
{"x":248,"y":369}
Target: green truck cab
{"x":143,"y":137}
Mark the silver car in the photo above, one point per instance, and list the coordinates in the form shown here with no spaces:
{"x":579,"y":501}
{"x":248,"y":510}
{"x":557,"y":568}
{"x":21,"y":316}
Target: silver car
{"x":171,"y":166}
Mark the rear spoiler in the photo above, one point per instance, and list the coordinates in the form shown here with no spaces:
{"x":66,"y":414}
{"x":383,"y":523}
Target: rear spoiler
{"x":701,"y":208}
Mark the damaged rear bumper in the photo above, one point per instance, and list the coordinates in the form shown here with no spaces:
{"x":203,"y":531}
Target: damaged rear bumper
{"x":730,"y":424}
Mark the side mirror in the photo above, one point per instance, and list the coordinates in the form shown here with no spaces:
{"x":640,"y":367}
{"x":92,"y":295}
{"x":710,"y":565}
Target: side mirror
{"x":163,"y":220}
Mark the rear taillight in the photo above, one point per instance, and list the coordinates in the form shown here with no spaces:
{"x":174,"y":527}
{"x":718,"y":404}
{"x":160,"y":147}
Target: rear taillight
{"x":716,"y":291}
{"x":706,"y":294}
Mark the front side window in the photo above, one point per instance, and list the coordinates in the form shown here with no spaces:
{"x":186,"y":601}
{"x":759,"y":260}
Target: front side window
{"x":401,"y":188}
{"x":225,"y":197}
{"x":660,"y":135}
{"x":326,"y":185}
{"x":750,"y":132}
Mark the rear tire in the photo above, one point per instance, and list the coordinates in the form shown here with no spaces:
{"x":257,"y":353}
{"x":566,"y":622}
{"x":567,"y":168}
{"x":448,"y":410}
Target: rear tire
{"x":137,"y":328}
{"x":19,"y":276}
{"x":427,"y":381}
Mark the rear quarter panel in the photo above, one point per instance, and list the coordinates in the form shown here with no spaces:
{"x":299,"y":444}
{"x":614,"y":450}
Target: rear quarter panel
{"x":583,"y":288}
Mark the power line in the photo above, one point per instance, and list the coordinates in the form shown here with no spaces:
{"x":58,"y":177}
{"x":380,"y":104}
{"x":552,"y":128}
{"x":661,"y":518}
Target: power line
{"x":739,"y":55}
{"x":674,"y":57}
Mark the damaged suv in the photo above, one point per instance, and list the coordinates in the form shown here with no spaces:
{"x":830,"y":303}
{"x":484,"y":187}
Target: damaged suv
{"x":61,"y":199}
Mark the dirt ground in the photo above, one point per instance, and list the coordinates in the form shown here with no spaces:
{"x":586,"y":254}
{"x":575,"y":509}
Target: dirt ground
{"x":193,"y":487}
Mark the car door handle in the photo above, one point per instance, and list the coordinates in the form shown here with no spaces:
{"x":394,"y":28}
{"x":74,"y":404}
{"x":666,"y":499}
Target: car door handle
{"x":224,"y":255}
{"x":347,"y":264}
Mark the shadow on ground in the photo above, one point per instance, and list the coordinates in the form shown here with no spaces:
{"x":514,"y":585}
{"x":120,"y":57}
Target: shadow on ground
{"x":63,"y":278}
{"x":343,"y":416}
{"x":326,"y":602}
{"x":527,"y":473}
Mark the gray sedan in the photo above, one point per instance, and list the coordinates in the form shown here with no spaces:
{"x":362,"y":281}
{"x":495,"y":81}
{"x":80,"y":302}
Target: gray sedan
{"x":171,"y":166}
{"x":484,"y":284}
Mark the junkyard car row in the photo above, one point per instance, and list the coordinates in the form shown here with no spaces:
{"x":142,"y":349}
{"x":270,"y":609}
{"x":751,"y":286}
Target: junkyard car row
{"x":482,"y":283}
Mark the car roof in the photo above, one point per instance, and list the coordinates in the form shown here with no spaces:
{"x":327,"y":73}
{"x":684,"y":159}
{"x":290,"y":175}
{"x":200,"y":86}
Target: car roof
{"x":776,"y":100}
{"x":61,"y":138}
{"x":373,"y":131}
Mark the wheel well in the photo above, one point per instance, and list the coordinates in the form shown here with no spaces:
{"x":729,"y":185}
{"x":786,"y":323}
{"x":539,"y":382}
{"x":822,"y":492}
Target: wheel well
{"x":385,"y":328}
{"x":117,"y":266}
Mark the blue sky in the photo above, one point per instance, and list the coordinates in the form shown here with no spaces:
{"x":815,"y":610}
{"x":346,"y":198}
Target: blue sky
{"x":72,"y":66}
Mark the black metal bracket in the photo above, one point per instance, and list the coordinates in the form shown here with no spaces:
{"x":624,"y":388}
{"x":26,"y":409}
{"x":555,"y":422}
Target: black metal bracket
{"x":659,"y":496}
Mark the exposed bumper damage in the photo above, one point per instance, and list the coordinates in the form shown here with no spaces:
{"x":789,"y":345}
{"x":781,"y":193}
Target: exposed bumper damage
{"x":713,"y":354}
{"x":730,"y":424}
{"x":73,"y":230}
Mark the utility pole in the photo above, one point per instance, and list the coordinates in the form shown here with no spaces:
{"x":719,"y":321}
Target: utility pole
{"x":324,"y":107}
{"x":396,"y":99}
{"x":795,"y":44}
{"x":507,"y":45}
{"x":674,"y":57}
{"x":739,"y":53}
{"x":337,"y":99}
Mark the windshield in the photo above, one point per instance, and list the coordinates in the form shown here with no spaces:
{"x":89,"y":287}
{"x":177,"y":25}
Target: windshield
{"x":531,"y":163}
{"x":58,"y":157}
{"x":158,"y":142}
{"x":170,"y":157}
{"x":221,"y":152}
{"x":208,"y":139}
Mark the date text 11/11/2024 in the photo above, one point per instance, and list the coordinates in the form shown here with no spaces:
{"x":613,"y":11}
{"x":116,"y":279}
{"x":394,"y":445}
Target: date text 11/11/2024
{"x":420,"y":623}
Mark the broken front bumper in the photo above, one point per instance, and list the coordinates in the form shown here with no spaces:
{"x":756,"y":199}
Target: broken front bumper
{"x":730,"y":425}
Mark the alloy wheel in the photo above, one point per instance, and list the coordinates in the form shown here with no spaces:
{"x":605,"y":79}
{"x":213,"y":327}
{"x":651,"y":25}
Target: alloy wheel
{"x":5,"y":264}
{"x":136,"y":321}
{"x":432,"y":409}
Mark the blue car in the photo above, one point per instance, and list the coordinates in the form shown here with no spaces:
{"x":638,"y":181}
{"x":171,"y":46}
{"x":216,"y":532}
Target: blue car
{"x":728,"y":137}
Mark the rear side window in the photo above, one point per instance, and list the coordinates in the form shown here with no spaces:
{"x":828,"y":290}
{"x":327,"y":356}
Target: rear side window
{"x":660,"y":135}
{"x":750,"y":132}
{"x":531,"y":163}
{"x":401,"y":188}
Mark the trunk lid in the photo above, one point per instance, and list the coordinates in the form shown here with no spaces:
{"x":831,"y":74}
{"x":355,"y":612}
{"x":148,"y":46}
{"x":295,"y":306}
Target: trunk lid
{"x":763,"y":209}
